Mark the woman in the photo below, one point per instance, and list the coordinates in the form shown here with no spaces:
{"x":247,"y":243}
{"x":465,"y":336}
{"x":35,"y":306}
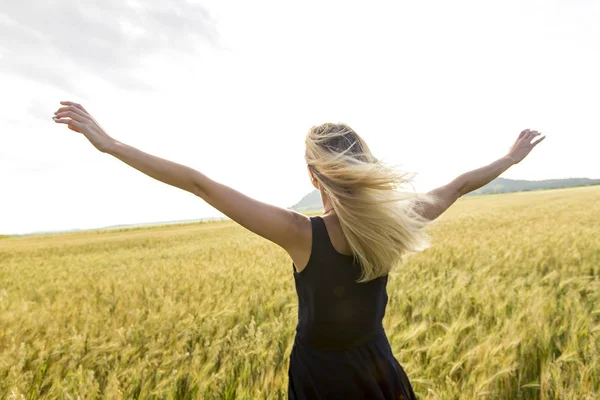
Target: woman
{"x":341,"y":259}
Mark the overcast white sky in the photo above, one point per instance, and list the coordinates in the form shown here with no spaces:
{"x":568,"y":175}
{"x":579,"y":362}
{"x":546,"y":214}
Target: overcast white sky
{"x":231,"y":88}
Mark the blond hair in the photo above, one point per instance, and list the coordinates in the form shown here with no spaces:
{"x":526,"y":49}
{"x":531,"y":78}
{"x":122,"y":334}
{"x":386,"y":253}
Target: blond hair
{"x":380,"y":222}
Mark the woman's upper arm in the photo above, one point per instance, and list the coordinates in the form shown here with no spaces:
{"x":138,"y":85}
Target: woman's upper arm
{"x":287,"y":228}
{"x":442,"y":198}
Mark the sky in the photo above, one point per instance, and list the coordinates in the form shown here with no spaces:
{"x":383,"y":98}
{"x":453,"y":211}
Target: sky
{"x":231,"y":88}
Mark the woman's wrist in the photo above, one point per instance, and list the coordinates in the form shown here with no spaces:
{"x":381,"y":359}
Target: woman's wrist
{"x":110,"y":146}
{"x":510,"y":159}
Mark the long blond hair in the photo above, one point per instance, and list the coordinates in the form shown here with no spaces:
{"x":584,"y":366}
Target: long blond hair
{"x":379,"y":221}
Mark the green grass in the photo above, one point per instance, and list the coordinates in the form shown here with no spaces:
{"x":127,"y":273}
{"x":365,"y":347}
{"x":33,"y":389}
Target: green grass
{"x":504,"y":305}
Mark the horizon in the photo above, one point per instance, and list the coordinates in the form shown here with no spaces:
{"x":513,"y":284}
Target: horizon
{"x":229,"y":90}
{"x":225,"y":218}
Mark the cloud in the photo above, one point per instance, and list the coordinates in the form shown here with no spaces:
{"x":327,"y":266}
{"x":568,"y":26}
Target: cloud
{"x":45,"y":40}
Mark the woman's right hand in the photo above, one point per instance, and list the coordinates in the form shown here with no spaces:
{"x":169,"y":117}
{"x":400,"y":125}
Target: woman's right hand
{"x":79,"y":120}
{"x":523,"y":145}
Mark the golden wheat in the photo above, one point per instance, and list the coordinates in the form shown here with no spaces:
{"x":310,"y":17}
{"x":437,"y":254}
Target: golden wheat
{"x":505,"y":305}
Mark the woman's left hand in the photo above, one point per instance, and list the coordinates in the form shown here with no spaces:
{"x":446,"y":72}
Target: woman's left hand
{"x":79,"y":120}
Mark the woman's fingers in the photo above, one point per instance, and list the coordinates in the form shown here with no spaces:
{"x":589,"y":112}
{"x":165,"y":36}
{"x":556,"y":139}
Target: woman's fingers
{"x":71,"y":114}
{"x":71,"y":108}
{"x":523,"y":133}
{"x":531,"y":136}
{"x":527,"y":135}
{"x":65,"y":120}
{"x":534,"y":135}
{"x":75,"y":110}
{"x":538,"y":141}
{"x":70,"y":122}
{"x":70,"y":103}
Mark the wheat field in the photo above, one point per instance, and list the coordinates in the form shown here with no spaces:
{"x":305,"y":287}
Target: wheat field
{"x":504,"y":305}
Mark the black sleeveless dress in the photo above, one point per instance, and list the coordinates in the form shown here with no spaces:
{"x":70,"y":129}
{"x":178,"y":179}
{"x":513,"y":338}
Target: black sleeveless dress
{"x":341,"y":350}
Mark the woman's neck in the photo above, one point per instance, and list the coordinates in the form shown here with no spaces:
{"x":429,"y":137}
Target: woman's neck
{"x":327,"y":207}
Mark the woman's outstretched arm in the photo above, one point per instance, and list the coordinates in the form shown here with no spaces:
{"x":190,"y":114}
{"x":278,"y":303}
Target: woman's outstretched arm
{"x":446,"y":195}
{"x":276,"y":224}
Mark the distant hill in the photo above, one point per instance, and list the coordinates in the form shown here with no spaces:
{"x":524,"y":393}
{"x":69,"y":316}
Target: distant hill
{"x":501,"y":185}
{"x":312,"y":201}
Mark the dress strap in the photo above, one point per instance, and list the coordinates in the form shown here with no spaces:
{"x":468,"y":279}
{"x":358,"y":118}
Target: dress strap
{"x":319,"y":237}
{"x":319,"y":231}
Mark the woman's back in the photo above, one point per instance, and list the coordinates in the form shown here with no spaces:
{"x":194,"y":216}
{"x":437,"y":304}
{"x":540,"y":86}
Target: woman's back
{"x":341,"y":350}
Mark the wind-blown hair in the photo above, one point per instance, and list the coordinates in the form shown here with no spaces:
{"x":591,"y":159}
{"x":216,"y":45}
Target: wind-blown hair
{"x":379,"y":221}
